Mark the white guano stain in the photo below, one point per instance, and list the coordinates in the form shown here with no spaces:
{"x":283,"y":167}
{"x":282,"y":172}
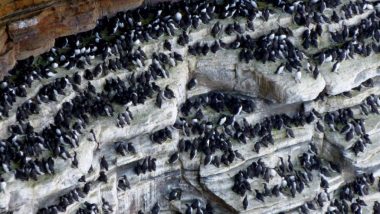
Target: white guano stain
{"x":26,"y":23}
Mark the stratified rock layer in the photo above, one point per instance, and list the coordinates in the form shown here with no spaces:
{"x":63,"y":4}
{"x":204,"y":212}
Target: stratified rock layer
{"x":29,"y":28}
{"x":274,"y":94}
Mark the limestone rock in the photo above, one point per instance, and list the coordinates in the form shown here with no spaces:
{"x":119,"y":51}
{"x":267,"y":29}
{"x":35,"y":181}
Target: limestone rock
{"x":273,"y":95}
{"x":351,"y":73}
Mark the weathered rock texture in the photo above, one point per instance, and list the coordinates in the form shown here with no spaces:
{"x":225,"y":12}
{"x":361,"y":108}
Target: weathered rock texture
{"x":29,"y":28}
{"x":274,"y":94}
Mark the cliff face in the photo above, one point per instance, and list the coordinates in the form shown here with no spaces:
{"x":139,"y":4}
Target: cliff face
{"x":322,"y":154}
{"x":29,"y":28}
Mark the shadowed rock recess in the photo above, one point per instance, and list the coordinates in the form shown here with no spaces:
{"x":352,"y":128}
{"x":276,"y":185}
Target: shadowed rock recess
{"x":237,"y":106}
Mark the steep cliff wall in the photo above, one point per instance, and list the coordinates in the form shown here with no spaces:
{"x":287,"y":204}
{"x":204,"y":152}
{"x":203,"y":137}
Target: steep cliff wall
{"x":278,"y":117}
{"x":29,"y":27}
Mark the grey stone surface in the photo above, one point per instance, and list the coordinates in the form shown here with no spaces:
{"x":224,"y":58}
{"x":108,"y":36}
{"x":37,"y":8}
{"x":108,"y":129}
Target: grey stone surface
{"x":274,"y":94}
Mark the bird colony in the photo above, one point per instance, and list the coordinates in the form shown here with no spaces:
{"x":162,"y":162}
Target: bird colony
{"x":200,"y":107}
